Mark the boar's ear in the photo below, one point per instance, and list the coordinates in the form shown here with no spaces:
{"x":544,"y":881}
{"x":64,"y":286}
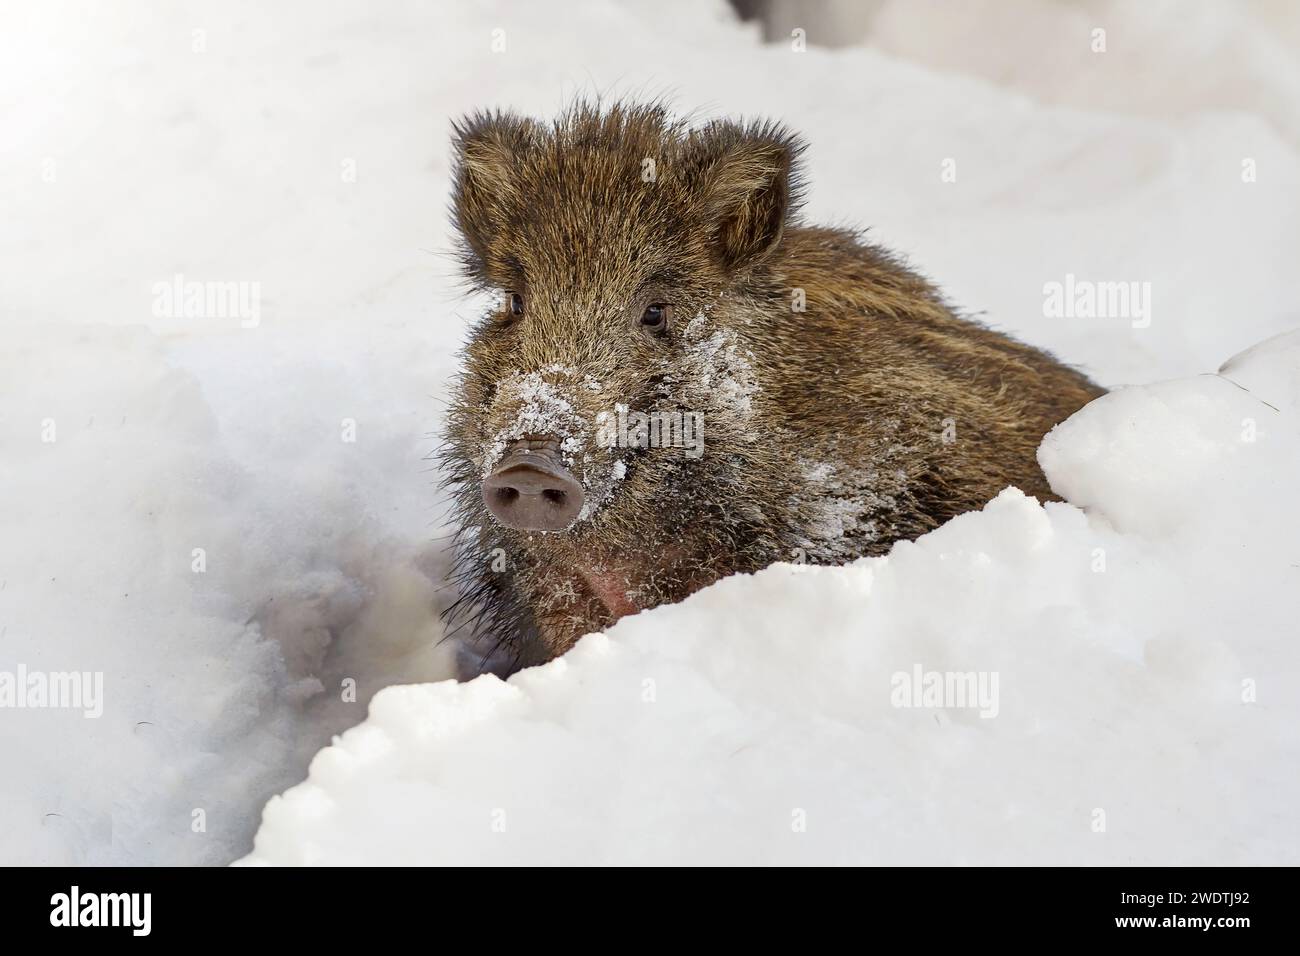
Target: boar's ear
{"x":750,"y":187}
{"x":485,"y":148}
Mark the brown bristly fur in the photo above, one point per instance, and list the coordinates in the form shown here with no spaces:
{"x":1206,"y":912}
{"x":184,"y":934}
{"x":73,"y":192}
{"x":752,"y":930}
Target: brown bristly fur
{"x":872,"y":415}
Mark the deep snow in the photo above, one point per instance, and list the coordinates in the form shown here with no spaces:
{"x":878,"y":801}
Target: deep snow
{"x":1126,"y":713}
{"x":304,"y":148}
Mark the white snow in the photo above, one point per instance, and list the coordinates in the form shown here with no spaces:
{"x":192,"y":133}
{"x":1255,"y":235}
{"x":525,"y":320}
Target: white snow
{"x":543,"y":410}
{"x":300,"y":152}
{"x":719,"y":370}
{"x":1136,"y":659}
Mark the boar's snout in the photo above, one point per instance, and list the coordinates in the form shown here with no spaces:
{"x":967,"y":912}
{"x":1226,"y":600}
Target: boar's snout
{"x":531,"y":490}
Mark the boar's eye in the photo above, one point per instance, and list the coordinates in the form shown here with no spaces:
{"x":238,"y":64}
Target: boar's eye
{"x":656,"y":316}
{"x":514,"y":303}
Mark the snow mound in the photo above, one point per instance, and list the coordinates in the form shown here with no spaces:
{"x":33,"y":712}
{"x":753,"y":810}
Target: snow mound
{"x":1028,"y":684}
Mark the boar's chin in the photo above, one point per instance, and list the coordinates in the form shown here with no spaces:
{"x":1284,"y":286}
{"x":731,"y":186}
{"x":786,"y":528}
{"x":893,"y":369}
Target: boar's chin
{"x":610,"y":588}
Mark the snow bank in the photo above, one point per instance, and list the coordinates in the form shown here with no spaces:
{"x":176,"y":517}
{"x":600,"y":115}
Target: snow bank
{"x":301,"y":150}
{"x":1249,"y":45}
{"x":1133,"y":700}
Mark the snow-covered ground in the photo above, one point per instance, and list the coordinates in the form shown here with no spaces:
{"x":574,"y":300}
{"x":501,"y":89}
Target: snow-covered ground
{"x":230,"y":517}
{"x":1132,"y":699}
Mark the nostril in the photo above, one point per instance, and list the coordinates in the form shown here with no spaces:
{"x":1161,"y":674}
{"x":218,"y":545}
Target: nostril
{"x":532,"y":491}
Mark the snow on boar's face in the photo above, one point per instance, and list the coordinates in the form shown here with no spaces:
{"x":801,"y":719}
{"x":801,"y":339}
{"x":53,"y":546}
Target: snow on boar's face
{"x":612,"y":393}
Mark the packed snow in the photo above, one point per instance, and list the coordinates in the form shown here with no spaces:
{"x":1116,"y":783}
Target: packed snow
{"x":228,"y":323}
{"x":1095,"y":698}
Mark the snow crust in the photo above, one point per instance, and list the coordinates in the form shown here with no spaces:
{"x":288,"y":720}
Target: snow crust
{"x":1138,"y":646}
